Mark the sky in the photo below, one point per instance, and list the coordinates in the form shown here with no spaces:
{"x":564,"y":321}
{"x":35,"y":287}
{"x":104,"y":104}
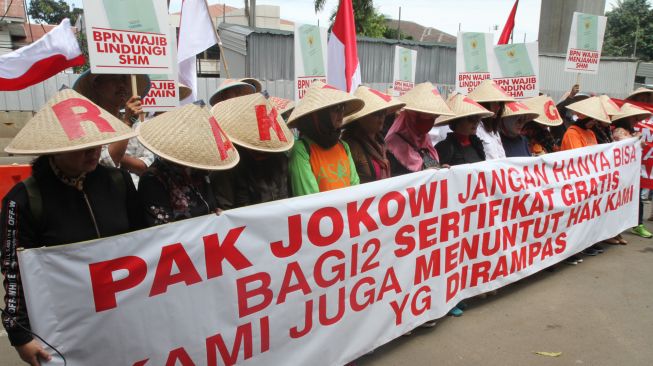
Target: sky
{"x":445,"y":15}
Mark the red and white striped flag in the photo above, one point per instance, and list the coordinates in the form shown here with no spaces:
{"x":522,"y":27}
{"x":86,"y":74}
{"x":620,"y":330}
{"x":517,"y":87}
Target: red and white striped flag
{"x":196,"y":34}
{"x":344,"y":71}
{"x":56,"y":51}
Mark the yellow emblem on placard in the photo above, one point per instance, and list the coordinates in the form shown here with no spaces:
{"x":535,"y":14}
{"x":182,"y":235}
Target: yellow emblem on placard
{"x":310,"y":40}
{"x":474,"y":43}
{"x":511,"y":53}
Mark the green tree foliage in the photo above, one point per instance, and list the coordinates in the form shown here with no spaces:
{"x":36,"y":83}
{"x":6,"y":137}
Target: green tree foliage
{"x":52,"y":11}
{"x":627,"y":21}
{"x":369,"y":22}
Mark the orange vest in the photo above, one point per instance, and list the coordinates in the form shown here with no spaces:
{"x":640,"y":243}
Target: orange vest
{"x":330,"y":167}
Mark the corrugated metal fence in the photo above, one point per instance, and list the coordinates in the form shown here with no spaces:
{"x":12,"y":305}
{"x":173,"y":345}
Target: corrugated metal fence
{"x":34,"y":97}
{"x":615,"y":77}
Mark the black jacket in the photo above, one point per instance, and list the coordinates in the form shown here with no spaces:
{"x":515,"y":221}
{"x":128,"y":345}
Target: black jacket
{"x":65,"y":218}
{"x":451,"y":152}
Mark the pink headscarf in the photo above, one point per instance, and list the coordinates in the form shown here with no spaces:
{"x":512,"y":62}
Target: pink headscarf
{"x":404,"y":141}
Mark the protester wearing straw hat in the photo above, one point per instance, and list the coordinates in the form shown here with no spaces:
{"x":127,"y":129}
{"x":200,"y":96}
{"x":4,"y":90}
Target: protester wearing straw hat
{"x":409,"y":146}
{"x":493,"y":98}
{"x":624,"y":123}
{"x":260,"y":134}
{"x":232,"y":88}
{"x":112,"y":92}
{"x":602,"y":130}
{"x":188,"y":142}
{"x":513,"y":120}
{"x":462,"y":145}
{"x":69,"y":198}
{"x":320,"y":161}
{"x":362,"y":131}
{"x":588,"y":113}
{"x":540,"y":139}
{"x":642,"y":95}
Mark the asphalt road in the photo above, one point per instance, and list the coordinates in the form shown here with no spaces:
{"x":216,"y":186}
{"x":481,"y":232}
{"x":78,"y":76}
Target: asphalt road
{"x":599,"y":312}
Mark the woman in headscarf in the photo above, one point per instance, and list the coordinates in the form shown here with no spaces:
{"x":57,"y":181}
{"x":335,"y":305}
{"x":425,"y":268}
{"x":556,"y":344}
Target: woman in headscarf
{"x":624,"y":123}
{"x":409,"y":145}
{"x":362,"y":131}
{"x":68,"y":199}
{"x":493,"y":98}
{"x":188,"y":143}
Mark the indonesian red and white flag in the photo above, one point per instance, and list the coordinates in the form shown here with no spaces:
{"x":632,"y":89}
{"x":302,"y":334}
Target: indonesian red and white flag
{"x":344,"y":71}
{"x":56,"y":51}
{"x":196,"y":34}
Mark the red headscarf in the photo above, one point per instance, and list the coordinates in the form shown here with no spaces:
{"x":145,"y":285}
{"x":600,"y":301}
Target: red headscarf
{"x":404,"y":140}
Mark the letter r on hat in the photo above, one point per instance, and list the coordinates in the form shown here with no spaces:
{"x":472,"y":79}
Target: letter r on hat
{"x":71,"y":120}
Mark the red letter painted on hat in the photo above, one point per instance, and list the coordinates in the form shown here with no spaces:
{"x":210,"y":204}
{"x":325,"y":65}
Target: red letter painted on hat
{"x":267,"y":121}
{"x":383,"y":96}
{"x":221,"y":140}
{"x":472,"y":102}
{"x":516,"y":106}
{"x":550,"y":110}
{"x":71,"y":121}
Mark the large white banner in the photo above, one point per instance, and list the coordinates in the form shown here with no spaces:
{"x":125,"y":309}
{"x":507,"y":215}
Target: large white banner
{"x":585,"y":43}
{"x":515,"y":67}
{"x":405,"y":68}
{"x":472,"y":60}
{"x":322,"y":280}
{"x":128,"y":36}
{"x":310,"y":57}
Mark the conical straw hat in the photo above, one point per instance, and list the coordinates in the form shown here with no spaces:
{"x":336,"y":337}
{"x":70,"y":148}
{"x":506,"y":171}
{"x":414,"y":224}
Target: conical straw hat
{"x":611,"y":108}
{"x":253,"y":122}
{"x":230,"y":84}
{"x":546,"y":108}
{"x":513,"y":109}
{"x":463,"y":107}
{"x":253,"y":82}
{"x":284,"y":106}
{"x":629,"y":110}
{"x":320,"y":96}
{"x":374,"y":101}
{"x":84,"y":83}
{"x":68,"y":122}
{"x":425,"y":98}
{"x":189,"y":136}
{"x":591,"y":107}
{"x":639,"y":91}
{"x":489,"y":91}
{"x":184,"y":91}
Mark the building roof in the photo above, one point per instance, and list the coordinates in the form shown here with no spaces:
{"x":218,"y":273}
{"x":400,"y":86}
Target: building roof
{"x":35,"y":31}
{"x":421,"y":33}
{"x":216,"y":10}
{"x":16,"y":9}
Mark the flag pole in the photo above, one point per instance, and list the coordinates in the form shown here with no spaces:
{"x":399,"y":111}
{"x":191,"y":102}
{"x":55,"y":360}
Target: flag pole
{"x":135,"y":93}
{"x":223,"y":59}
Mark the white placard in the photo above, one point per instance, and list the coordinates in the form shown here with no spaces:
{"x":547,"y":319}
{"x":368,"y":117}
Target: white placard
{"x":585,"y":43}
{"x":128,"y":36}
{"x":310,"y":57}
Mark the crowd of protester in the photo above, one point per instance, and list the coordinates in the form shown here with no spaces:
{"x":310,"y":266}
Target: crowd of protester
{"x":166,"y":168}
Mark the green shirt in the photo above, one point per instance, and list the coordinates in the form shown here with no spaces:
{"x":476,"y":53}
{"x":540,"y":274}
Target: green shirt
{"x":303,"y":180}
